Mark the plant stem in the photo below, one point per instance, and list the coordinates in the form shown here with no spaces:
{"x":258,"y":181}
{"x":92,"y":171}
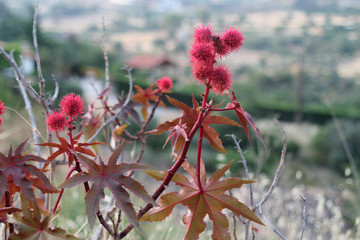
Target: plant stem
{"x":62,"y":190}
{"x":171,"y":172}
{"x":221,"y":109}
{"x":198,"y":159}
{"x":146,"y":124}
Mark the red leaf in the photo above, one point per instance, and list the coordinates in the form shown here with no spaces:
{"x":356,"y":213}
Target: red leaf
{"x":33,"y":226}
{"x":65,"y":147}
{"x":14,"y":169}
{"x":186,"y":123}
{"x":109,"y":176}
{"x":144,"y":96}
{"x":244,"y":117}
{"x":209,"y":199}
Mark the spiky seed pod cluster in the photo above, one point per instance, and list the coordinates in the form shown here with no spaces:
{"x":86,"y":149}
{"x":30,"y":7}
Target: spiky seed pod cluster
{"x":71,"y":107}
{"x":206,"y":48}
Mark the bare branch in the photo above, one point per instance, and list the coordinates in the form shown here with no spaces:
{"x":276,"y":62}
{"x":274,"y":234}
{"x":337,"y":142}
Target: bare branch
{"x":276,"y":177}
{"x":99,"y":229}
{"x":269,"y":223}
{"x":345,"y":144}
{"x":96,"y":134}
{"x":56,"y":92}
{"x":234,"y":223}
{"x":238,"y":148}
{"x":32,"y":119}
{"x":37,"y":56}
{"x":274,"y":183}
{"x":106,"y":58}
{"x":20,"y":76}
{"x":304,"y":217}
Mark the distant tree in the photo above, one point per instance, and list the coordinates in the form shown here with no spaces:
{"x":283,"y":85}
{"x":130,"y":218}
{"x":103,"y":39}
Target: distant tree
{"x":203,"y":14}
{"x":172,"y":23}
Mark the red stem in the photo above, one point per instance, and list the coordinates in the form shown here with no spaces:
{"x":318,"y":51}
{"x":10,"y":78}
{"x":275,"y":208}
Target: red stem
{"x":198,"y":159}
{"x":62,"y":190}
{"x":158,"y":100}
{"x":174,"y":168}
{"x":221,"y":109}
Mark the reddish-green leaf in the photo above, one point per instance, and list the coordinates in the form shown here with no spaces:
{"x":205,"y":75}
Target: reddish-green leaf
{"x":209,"y":200}
{"x":31,"y":226}
{"x":144,"y":96}
{"x":14,"y":169}
{"x":65,"y":147}
{"x":244,"y":117}
{"x":188,"y":120}
{"x":109,"y":176}
{"x":9,"y":210}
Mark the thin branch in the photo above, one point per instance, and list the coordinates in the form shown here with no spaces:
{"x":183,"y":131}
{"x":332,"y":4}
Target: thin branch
{"x":106,"y":58}
{"x":304,"y":217}
{"x":344,"y":143}
{"x":32,"y":119}
{"x":104,"y":223}
{"x":103,"y":126}
{"x":276,"y":176}
{"x":274,"y":183}
{"x":31,"y":116}
{"x":238,"y":148}
{"x":37,"y":56}
{"x":234,"y":220}
{"x":56,"y":92}
{"x":20,"y":76}
{"x":269,"y":223}
{"x":109,"y":208}
{"x":171,"y":172}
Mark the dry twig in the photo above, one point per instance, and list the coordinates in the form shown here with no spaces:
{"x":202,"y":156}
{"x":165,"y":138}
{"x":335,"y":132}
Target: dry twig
{"x":304,"y":217}
{"x":274,"y":183}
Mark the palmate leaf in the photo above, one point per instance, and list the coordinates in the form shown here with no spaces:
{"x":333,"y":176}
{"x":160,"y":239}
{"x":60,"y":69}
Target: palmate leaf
{"x":31,"y":225}
{"x":64,"y":147}
{"x":109,"y":176}
{"x":15,"y":170}
{"x":144,"y":96}
{"x":211,"y":200}
{"x":188,"y":120}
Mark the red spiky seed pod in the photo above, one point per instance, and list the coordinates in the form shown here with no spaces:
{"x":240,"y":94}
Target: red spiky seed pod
{"x":164,"y":83}
{"x":72,"y":106}
{"x":203,"y":34}
{"x":56,"y":121}
{"x":220,"y":79}
{"x":202,"y":52}
{"x":233,"y":38}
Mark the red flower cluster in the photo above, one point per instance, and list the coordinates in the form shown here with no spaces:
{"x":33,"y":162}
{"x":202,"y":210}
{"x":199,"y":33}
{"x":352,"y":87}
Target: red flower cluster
{"x":208,"y":46}
{"x":164,"y":83}
{"x":2,"y":111}
{"x":71,"y":107}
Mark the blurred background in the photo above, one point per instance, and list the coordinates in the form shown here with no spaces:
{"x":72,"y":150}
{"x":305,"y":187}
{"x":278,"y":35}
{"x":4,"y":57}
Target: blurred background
{"x":297,"y":56}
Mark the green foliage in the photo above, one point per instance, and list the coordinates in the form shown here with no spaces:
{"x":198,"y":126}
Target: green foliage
{"x":328,"y":149}
{"x":9,"y":94}
{"x":12,"y":27}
